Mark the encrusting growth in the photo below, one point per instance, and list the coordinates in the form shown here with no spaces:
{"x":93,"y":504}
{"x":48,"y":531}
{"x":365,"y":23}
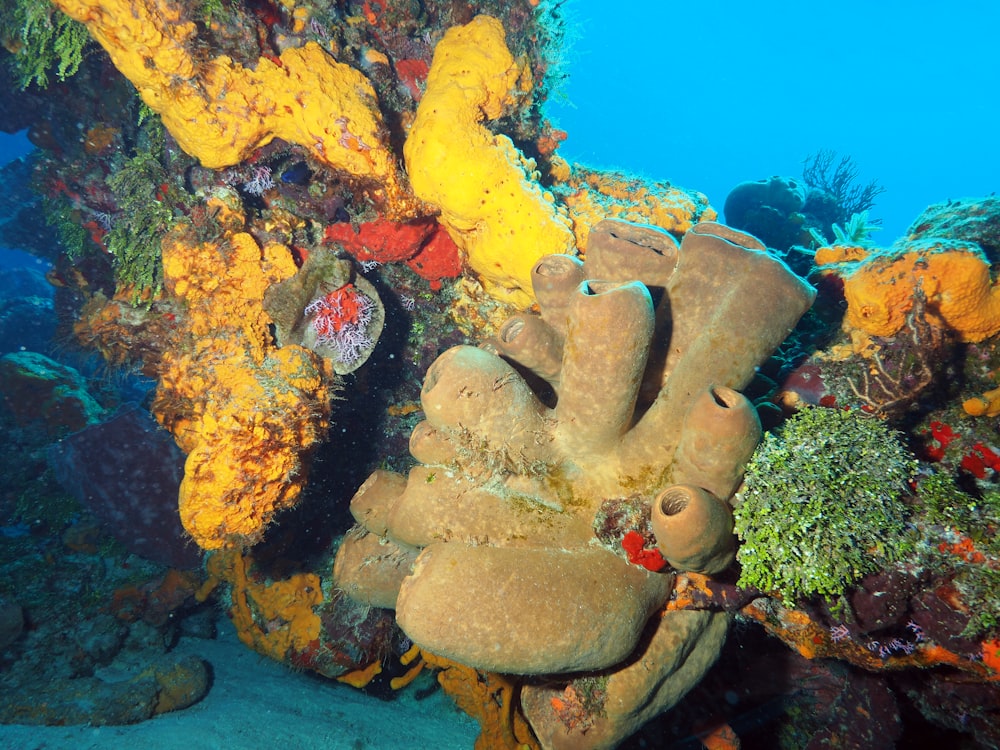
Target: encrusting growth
{"x":220,"y":111}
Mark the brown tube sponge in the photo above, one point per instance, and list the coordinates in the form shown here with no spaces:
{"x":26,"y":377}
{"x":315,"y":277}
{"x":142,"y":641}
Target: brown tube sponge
{"x":553,"y":280}
{"x":724,"y":280}
{"x":510,"y":493}
{"x":720,"y":432}
{"x":429,"y":446}
{"x":620,"y":250}
{"x":442,"y":505}
{"x":530,"y":610}
{"x":693,"y":529}
{"x":370,"y":569}
{"x":601,"y":373}
{"x":532,"y":344}
{"x":470,"y":392}
{"x":668,"y":663}
{"x":731,"y":304}
{"x":371,"y":503}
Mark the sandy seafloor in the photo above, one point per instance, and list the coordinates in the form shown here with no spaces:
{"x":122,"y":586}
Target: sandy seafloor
{"x":257,"y":704}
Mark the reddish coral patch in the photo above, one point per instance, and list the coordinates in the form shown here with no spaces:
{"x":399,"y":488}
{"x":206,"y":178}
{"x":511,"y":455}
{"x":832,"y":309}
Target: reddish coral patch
{"x":634,"y":545}
{"x":438,"y":259}
{"x":381,"y":240}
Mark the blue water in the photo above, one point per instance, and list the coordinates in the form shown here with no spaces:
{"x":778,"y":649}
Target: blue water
{"x":13,"y":146}
{"x":708,"y":95}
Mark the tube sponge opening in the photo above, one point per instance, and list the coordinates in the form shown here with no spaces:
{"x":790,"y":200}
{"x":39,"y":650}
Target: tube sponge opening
{"x":693,"y":528}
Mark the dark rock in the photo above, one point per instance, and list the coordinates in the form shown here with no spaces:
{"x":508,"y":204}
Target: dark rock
{"x":128,"y":472}
{"x":41,"y":392}
{"x":11,"y":623}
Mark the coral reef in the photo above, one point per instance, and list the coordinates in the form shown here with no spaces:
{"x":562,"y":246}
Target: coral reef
{"x":244,"y":411}
{"x":80,"y":649}
{"x":509,"y":488}
{"x":42,"y":41}
{"x":161,"y":687}
{"x":328,"y":308}
{"x":943,"y":264}
{"x":792,"y":214}
{"x":771,"y":209}
{"x":304,"y":208}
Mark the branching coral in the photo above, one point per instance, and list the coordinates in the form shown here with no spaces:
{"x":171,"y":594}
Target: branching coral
{"x":840,"y":182}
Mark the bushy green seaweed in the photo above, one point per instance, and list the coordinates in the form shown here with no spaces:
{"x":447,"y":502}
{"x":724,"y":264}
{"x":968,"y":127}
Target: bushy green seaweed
{"x":821,"y":505}
{"x":209,"y":10}
{"x":45,"y":40}
{"x":980,"y":588}
{"x":144,"y":215}
{"x":944,"y":503}
{"x":65,"y":220}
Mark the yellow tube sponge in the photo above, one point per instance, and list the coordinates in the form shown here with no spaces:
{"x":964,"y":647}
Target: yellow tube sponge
{"x":954,"y":278}
{"x":245,"y":412}
{"x":490,"y":201}
{"x":219,"y":111}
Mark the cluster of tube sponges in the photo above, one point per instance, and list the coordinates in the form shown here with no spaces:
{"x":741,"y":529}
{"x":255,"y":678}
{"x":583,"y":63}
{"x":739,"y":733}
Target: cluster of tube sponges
{"x":624,"y":389}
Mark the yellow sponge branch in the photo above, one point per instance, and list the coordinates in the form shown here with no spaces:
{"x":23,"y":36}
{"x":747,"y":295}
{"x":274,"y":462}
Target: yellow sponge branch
{"x":487,"y":191}
{"x":246,"y":413}
{"x":219,"y":111}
